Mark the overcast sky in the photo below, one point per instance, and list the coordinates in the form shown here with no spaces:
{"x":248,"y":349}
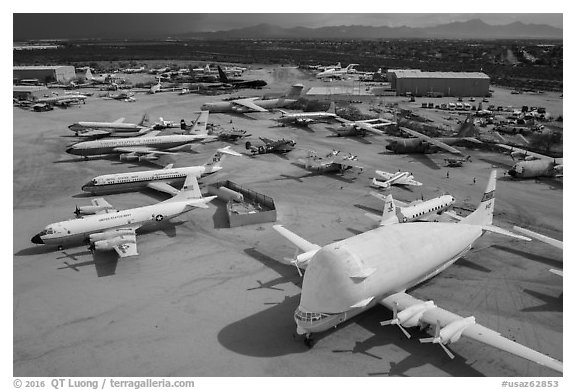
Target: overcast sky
{"x":59,"y":25}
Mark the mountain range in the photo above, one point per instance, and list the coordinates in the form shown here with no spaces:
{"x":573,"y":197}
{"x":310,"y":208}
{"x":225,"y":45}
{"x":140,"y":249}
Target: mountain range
{"x":472,"y":29}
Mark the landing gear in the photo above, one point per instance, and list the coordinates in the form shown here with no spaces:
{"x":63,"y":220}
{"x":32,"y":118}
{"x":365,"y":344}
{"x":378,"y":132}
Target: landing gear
{"x":60,"y":247}
{"x":308,"y":340}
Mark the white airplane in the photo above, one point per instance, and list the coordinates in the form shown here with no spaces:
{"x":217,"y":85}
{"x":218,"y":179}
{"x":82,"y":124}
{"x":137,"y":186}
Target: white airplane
{"x":305,"y":118}
{"x":534,"y":164}
{"x":134,"y":70}
{"x":335,"y":161}
{"x":348,"y":277}
{"x":116,"y":128}
{"x":336,"y":73}
{"x":65,"y":100}
{"x":110,"y":229}
{"x":163,"y":180}
{"x":395,"y":211}
{"x":360,"y":128}
{"x":398,"y":178}
{"x":545,"y":239}
{"x":147,"y":147}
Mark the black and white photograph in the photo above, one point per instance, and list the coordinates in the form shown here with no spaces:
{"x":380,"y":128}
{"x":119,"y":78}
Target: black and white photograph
{"x":261,"y":193}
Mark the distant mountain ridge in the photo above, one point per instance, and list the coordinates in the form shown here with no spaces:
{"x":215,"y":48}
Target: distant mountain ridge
{"x":471,"y":29}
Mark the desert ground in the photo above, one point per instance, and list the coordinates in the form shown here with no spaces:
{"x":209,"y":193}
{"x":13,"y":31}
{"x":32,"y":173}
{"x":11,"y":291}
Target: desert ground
{"x":203,"y":299}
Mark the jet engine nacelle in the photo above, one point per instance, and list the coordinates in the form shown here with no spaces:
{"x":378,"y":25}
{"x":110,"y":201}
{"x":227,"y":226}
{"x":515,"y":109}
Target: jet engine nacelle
{"x":128,"y":157}
{"x":104,"y":245}
{"x":94,"y":237}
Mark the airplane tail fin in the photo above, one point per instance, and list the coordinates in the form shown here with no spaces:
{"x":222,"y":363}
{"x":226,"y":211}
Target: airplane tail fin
{"x":332,"y":108}
{"x":215,"y":162}
{"x":294,"y":91}
{"x":145,"y":121}
{"x":468,"y":129}
{"x":223,"y":77}
{"x":200,"y":124}
{"x":389,"y":216}
{"x":484,"y":213}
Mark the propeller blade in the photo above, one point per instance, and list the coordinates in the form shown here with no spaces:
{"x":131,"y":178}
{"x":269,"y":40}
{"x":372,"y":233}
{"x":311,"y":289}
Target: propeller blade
{"x":404,"y":331}
{"x":388,"y":322}
{"x":427,"y":340}
{"x":450,"y":354}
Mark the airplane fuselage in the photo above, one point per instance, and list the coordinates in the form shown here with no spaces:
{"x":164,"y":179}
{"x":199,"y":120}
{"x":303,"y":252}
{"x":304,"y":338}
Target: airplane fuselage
{"x":134,"y":181}
{"x":231,"y":107}
{"x":534,"y":168}
{"x":424,"y":209}
{"x":348,"y":277}
{"x":111,"y":146}
{"x":123,"y":129}
{"x":60,"y":233}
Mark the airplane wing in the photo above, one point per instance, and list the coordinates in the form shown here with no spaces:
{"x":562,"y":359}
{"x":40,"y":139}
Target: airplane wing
{"x":163,"y":187}
{"x":93,"y":133}
{"x":140,"y":150}
{"x":295,"y":239}
{"x":152,"y":133}
{"x":101,"y":202}
{"x":266,"y":140}
{"x":368,"y":127}
{"x":527,"y":152}
{"x":431,"y":140}
{"x":409,"y":182}
{"x":540,"y":237}
{"x":384,"y":175}
{"x":248,"y":103}
{"x":344,"y":162}
{"x":126,"y":249}
{"x":435,"y":316}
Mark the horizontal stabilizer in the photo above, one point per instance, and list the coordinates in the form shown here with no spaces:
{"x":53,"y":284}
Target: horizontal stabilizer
{"x":496,"y":229}
{"x":540,"y":237}
{"x":453,"y":215}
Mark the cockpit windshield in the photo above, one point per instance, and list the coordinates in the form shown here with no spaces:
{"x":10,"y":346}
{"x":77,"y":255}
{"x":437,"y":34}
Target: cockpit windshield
{"x":47,"y":231}
{"x":304,"y":316}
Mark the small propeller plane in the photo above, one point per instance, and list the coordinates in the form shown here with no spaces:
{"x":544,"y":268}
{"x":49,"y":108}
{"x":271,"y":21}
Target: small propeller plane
{"x":348,"y":277}
{"x":271,"y":146}
{"x":398,"y":178}
{"x":335,"y":161}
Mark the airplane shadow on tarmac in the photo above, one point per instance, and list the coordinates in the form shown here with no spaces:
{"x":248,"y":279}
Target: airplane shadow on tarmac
{"x":271,"y":332}
{"x":104,"y":262}
{"x":530,"y":256}
{"x":550,"y":303}
{"x":418,"y":157}
{"x":551,"y":182}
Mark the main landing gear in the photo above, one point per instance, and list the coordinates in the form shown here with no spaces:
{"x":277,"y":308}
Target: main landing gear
{"x":308,"y":340}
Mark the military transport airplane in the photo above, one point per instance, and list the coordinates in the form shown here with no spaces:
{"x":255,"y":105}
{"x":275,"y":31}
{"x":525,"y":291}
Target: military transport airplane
{"x":164,"y":180}
{"x":456,"y":162}
{"x":348,"y":277}
{"x":146,"y":147}
{"x":306,"y":118}
{"x":398,"y":178}
{"x":107,"y":129}
{"x":534,"y":164}
{"x":335,"y":161}
{"x":271,"y":146}
{"x":240,"y":83}
{"x":336,"y":73}
{"x":424,"y":144}
{"x":110,"y":229}
{"x":255,"y":104}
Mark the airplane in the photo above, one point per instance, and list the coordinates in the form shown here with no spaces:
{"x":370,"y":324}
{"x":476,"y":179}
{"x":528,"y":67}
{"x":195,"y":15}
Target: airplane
{"x":395,"y":211}
{"x":240,"y":83}
{"x":158,"y":70}
{"x":123,"y":96}
{"x":108,"y":229}
{"x":398,"y":178}
{"x":336,"y":73}
{"x":270,"y":146}
{"x":255,"y":104}
{"x":305,"y":118}
{"x":163,"y":180}
{"x":163,"y":124}
{"x":63,"y":101}
{"x":534,"y":164}
{"x":232,"y":135}
{"x":102,"y":79}
{"x":146,"y":147}
{"x":457,"y":162}
{"x":116,"y":128}
{"x":360,"y":128}
{"x":424,"y":144}
{"x":134,"y":70}
{"x":545,"y":239}
{"x":332,"y":162}
{"x":348,"y":277}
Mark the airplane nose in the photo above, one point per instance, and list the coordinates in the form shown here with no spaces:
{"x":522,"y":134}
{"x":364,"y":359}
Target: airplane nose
{"x":37,"y":239}
{"x":70,"y":150}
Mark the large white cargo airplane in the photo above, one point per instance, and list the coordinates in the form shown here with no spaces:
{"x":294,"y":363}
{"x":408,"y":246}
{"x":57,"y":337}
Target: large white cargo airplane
{"x":306,"y":118}
{"x":147,"y":147}
{"x":348,"y":277}
{"x":116,"y":128}
{"x":398,"y":178}
{"x":255,"y":104}
{"x":110,"y":229}
{"x":534,"y":164}
{"x":163,"y":180}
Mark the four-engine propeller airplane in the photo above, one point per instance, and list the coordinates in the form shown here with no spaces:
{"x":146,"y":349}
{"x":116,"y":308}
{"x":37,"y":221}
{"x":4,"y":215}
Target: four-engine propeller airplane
{"x":398,"y":178}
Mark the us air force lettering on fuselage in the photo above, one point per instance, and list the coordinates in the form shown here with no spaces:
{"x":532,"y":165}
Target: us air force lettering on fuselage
{"x":347,"y":277}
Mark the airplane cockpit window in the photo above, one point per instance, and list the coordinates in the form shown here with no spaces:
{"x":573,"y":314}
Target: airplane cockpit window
{"x":308,"y":317}
{"x":47,"y":231}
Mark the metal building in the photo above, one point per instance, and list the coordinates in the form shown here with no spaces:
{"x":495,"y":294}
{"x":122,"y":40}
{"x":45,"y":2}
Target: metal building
{"x":29,"y":92}
{"x":46,"y":74}
{"x":420,"y":83}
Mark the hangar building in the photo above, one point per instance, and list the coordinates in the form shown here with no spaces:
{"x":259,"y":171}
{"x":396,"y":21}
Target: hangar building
{"x":29,"y":92}
{"x":420,"y":83}
{"x":46,"y":74}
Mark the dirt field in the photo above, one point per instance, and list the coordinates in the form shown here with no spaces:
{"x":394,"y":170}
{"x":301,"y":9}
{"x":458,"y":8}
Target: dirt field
{"x":205,"y":300}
